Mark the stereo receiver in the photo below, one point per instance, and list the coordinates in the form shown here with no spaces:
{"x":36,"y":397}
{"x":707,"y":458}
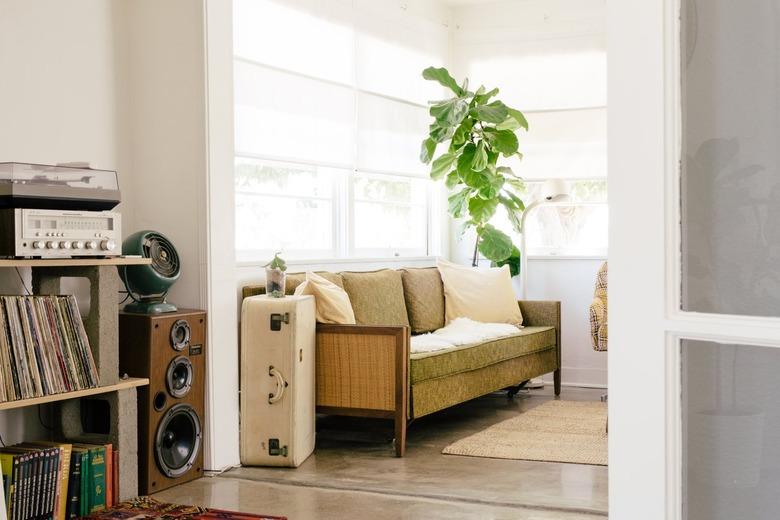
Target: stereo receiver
{"x":41,"y":233}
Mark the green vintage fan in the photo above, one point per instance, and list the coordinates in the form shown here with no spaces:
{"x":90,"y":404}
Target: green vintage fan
{"x":149,"y":284}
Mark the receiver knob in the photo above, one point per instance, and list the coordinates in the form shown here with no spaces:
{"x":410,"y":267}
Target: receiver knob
{"x":108,"y":245}
{"x":52,"y":245}
{"x":77,"y":244}
{"x":38,"y":244}
{"x":91,"y":244}
{"x":64,"y":245}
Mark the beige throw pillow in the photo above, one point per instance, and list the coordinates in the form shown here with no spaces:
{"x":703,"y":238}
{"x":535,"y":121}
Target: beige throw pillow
{"x":332,"y":302}
{"x":481,"y":294}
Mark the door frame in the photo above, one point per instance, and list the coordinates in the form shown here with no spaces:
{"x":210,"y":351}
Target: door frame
{"x":647,"y":325}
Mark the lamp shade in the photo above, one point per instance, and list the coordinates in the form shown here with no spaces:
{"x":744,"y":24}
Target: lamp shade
{"x":555,"y":190}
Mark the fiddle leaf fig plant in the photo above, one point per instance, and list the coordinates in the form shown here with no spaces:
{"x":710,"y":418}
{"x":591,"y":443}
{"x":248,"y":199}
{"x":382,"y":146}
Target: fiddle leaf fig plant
{"x":476,"y":132}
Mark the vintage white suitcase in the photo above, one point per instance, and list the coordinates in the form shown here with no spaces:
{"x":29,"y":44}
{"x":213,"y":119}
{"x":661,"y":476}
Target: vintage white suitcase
{"x":277,"y":380}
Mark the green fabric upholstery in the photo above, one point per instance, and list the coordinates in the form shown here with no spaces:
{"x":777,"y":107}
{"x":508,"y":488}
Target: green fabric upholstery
{"x":433,"y":395}
{"x":377,"y":297}
{"x":441,"y":363}
{"x":424,"y":293}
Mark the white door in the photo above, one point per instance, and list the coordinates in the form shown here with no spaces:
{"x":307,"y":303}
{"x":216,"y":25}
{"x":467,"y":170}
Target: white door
{"x":694,"y":180}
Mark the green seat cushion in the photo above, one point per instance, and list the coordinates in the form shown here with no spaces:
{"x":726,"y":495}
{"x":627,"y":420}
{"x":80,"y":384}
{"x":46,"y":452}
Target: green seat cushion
{"x":424,"y":293}
{"x":377,"y":297}
{"x":441,"y":363}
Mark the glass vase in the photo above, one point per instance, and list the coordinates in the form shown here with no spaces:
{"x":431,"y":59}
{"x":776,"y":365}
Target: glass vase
{"x":275,"y":282}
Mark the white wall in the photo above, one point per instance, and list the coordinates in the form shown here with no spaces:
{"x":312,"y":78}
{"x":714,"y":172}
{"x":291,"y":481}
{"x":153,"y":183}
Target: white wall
{"x":121,"y":85}
{"x":491,"y":41}
{"x":58,"y":103}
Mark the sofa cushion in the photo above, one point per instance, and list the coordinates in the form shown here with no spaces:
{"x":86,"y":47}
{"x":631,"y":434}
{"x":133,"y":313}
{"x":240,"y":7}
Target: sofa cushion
{"x":331,"y":301}
{"x":440,"y":363}
{"x":377,"y":297}
{"x":424,"y":295}
{"x":480,"y":293}
{"x":296,"y":279}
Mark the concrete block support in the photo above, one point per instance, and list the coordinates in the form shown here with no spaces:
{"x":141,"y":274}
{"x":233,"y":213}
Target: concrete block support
{"x":123,"y":432}
{"x":102,"y":322}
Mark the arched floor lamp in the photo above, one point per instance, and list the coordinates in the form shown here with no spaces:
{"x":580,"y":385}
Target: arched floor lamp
{"x":553,"y":190}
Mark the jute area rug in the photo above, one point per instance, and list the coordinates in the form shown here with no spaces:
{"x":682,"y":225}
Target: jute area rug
{"x":556,"y":431}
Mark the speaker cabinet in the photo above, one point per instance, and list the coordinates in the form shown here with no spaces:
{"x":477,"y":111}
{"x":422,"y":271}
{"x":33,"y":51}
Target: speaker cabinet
{"x":169,"y":349}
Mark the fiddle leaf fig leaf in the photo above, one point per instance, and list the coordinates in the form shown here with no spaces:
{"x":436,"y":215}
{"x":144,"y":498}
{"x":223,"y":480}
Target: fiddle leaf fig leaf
{"x":458,"y":202}
{"x":513,"y":262}
{"x":495,"y":245}
{"x":519,"y":117}
{"x":427,"y":150}
{"x":450,"y":113}
{"x":482,"y":210}
{"x":504,"y":141}
{"x":443,"y":77}
{"x":480,"y":98}
{"x":494,"y":112}
{"x":480,"y":160}
{"x":465,"y":160}
{"x":441,"y":165}
{"x":452,"y":180}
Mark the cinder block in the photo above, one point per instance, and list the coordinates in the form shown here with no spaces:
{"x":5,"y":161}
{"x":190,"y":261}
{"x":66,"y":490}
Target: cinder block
{"x":102,"y":322}
{"x":123,"y":434}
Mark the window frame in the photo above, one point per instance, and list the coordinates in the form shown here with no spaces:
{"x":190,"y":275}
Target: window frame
{"x":344,"y":249}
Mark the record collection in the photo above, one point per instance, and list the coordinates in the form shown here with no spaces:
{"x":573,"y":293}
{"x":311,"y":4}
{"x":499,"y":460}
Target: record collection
{"x":58,"y":480}
{"x":44,"y":347}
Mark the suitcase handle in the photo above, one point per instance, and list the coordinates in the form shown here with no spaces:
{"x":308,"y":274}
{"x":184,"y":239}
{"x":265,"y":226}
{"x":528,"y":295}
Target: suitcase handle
{"x":281,"y":384}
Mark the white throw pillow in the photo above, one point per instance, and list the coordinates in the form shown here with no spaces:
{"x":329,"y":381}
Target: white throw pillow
{"x":332,"y":302}
{"x":481,"y":294}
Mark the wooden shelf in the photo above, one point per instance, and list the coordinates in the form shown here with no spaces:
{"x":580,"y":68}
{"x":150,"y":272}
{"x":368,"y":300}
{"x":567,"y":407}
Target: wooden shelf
{"x":72,"y":262}
{"x":130,"y":382}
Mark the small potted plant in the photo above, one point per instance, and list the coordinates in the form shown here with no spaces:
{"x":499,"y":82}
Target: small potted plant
{"x":275,"y":277}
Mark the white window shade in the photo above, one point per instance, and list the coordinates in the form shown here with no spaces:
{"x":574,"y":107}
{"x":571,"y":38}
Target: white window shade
{"x":566,"y":144}
{"x":389,"y":135}
{"x":392,"y":49}
{"x":289,"y":116}
{"x":542,"y":74}
{"x":311,"y":37}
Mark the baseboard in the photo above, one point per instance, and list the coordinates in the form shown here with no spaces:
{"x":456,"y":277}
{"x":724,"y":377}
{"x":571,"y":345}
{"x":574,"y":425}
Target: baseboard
{"x":580,"y":377}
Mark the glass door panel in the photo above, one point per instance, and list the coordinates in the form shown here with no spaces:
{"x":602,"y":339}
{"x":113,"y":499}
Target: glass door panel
{"x":730,"y":182}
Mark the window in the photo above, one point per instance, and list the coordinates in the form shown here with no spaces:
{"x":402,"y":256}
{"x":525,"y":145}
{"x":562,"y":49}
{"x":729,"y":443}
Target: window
{"x":559,"y":81}
{"x":328,"y":134}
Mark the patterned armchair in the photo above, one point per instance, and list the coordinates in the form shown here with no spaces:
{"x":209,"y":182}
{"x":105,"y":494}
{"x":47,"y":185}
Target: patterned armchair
{"x":598,"y":311}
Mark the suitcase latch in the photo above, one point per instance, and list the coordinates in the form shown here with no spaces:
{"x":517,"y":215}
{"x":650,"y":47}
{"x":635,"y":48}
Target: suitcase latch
{"x":277,"y":319}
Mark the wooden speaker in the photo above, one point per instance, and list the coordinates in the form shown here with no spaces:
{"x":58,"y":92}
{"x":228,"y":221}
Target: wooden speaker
{"x":169,"y":349}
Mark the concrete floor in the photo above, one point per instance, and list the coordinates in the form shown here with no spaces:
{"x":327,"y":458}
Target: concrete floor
{"x":353,"y":474}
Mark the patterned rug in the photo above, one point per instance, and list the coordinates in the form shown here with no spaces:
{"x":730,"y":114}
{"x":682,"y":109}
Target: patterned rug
{"x":556,"y":431}
{"x":147,"y":507}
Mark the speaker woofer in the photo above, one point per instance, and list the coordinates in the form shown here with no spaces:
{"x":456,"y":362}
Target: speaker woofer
{"x":178,"y":377}
{"x":180,"y":335}
{"x":177,"y":442}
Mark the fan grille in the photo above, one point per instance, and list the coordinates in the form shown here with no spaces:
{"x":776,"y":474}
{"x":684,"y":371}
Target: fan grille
{"x":165,"y":260}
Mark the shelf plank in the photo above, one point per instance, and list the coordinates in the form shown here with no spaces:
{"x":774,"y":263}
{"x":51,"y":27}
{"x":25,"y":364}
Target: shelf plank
{"x":130,"y":382}
{"x":72,"y":262}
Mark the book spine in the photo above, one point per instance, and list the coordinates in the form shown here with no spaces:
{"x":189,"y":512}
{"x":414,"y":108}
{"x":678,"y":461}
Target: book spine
{"x":53,"y":475}
{"x":97,"y":499}
{"x":13,"y":512}
{"x":74,"y":485}
{"x":115,"y":454}
{"x":85,"y":484}
{"x":109,"y":476}
{"x":24,"y":505}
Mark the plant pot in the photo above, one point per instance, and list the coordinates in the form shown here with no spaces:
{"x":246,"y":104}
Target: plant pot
{"x":275,"y":280}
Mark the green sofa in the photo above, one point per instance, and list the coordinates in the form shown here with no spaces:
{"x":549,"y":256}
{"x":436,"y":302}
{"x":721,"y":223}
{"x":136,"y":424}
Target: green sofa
{"x":367,"y":369}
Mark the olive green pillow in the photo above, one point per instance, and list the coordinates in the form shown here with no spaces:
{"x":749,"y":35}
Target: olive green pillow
{"x":424,"y":295}
{"x":296,"y":279}
{"x":377,"y":297}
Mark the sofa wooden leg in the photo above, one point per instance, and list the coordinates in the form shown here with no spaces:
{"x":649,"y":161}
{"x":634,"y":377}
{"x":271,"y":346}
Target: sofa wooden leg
{"x":400,"y":434}
{"x":557,"y":381}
